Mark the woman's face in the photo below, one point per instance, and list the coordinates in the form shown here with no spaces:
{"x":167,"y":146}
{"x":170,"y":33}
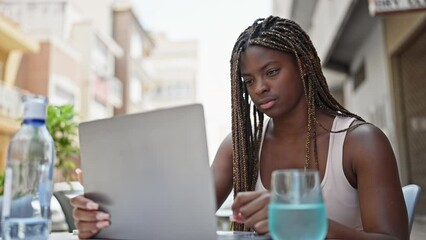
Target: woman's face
{"x":272,"y":79}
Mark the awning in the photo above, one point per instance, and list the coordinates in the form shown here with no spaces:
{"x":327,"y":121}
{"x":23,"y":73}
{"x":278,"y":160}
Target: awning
{"x":8,"y":126}
{"x":12,"y":38}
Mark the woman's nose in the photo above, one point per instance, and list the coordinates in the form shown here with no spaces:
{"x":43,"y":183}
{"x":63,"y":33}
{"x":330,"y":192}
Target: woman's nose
{"x":261,"y":87}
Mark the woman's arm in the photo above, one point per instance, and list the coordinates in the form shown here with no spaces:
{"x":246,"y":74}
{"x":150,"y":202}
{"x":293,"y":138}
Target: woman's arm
{"x":373,"y":167}
{"x":222,"y":170}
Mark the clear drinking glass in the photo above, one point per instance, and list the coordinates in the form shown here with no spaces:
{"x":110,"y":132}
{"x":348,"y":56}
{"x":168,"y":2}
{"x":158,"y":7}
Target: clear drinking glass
{"x":296,"y":209}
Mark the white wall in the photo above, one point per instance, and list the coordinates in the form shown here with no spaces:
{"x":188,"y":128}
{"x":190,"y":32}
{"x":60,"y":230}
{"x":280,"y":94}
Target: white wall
{"x":372,"y":99}
{"x":99,"y":11}
{"x":282,"y":8}
{"x":63,"y":90}
{"x":326,"y":21}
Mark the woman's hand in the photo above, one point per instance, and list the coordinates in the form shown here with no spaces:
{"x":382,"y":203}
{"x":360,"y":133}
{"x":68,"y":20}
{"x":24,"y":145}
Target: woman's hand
{"x":88,"y":219}
{"x":251,"y":208}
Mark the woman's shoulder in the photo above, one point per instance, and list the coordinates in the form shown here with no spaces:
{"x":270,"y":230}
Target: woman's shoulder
{"x":366,"y":143}
{"x":360,"y":132}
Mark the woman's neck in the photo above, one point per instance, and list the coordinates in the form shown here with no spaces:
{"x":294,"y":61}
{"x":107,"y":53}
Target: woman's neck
{"x":296,"y":126}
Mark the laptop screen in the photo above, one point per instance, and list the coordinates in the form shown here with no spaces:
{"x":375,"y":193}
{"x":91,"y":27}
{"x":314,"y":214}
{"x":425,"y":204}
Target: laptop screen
{"x":151,"y":172}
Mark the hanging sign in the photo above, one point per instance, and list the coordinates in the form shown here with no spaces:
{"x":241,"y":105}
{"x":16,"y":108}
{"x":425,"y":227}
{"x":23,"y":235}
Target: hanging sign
{"x":380,"y":7}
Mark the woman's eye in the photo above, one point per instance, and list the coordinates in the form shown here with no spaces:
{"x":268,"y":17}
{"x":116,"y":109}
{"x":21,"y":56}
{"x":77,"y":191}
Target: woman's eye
{"x":272,"y":72}
{"x":248,"y":81}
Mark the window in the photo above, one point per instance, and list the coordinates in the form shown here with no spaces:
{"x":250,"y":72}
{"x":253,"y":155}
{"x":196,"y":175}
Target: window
{"x":359,"y":77}
{"x":136,"y":47}
{"x":63,"y":94}
{"x":135,"y":89}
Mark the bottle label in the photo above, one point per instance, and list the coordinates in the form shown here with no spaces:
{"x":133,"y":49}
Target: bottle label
{"x":7,"y":193}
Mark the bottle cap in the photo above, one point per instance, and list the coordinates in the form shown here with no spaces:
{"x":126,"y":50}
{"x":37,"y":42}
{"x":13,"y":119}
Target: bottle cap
{"x":35,"y":107}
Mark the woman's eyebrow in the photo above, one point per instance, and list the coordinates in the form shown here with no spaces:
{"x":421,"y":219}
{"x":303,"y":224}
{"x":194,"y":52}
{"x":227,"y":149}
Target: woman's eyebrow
{"x":267,"y":64}
{"x":260,"y":69}
{"x":245,"y":75}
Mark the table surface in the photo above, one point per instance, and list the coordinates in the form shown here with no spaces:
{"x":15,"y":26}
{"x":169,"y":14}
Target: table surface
{"x":62,"y":236}
{"x":222,"y":235}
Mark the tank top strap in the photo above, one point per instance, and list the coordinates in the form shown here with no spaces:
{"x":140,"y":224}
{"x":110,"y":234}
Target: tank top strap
{"x":259,"y":184}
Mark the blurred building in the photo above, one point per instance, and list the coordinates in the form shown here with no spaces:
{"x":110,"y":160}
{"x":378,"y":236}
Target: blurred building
{"x":128,"y":32}
{"x":54,"y":70}
{"x":13,"y":44}
{"x":377,"y":53}
{"x":173,"y":67}
{"x":102,"y":92}
{"x":76,"y":62}
{"x":103,"y":62}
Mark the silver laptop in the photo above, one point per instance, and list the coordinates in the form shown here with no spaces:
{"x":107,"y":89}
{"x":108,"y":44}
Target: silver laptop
{"x":151,"y":172}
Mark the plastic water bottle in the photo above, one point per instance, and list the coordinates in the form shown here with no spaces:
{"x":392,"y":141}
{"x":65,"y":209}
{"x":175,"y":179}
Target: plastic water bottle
{"x":29,"y":174}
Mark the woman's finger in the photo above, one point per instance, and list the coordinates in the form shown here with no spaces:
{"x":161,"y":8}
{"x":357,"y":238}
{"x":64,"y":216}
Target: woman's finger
{"x":88,"y":229}
{"x":90,"y":215}
{"x":84,"y":203}
{"x":257,"y":216}
{"x":79,"y":174}
{"x":242,"y":199}
{"x":261,"y":227}
{"x":258,"y":204}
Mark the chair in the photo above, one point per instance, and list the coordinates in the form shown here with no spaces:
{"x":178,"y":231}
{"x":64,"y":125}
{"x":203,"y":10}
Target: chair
{"x":64,"y":191}
{"x":411,"y":195}
{"x":64,"y":201}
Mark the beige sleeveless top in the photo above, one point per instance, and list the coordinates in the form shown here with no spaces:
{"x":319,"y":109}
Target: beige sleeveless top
{"x":341,"y":199}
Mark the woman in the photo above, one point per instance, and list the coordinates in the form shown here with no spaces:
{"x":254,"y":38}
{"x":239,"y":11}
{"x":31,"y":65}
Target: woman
{"x":275,"y":66}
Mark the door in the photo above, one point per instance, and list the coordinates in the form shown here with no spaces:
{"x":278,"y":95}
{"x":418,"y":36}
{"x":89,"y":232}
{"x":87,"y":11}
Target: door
{"x":410,"y":64}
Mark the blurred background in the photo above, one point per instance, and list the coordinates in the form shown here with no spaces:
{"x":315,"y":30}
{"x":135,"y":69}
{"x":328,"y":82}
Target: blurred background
{"x":112,"y":57}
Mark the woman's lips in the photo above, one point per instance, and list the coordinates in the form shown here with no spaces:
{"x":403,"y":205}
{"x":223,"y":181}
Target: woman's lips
{"x":267,"y":105}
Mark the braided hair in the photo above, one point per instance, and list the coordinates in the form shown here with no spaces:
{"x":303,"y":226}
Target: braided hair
{"x":286,"y":36}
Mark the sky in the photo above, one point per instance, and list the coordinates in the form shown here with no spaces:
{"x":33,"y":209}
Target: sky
{"x":215,"y":24}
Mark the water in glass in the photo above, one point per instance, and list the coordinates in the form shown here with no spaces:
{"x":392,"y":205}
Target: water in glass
{"x":297,"y":210}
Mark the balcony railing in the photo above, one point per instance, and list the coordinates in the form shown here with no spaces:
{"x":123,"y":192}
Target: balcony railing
{"x":10,"y":101}
{"x":115,"y":92}
{"x":109,"y":90}
{"x":37,"y":17}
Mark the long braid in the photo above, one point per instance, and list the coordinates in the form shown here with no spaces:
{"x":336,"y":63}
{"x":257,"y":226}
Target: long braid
{"x":286,"y":36}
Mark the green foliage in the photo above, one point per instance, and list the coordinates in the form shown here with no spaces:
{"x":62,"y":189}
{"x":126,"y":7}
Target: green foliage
{"x":62,"y":126}
{"x":2,"y":175}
